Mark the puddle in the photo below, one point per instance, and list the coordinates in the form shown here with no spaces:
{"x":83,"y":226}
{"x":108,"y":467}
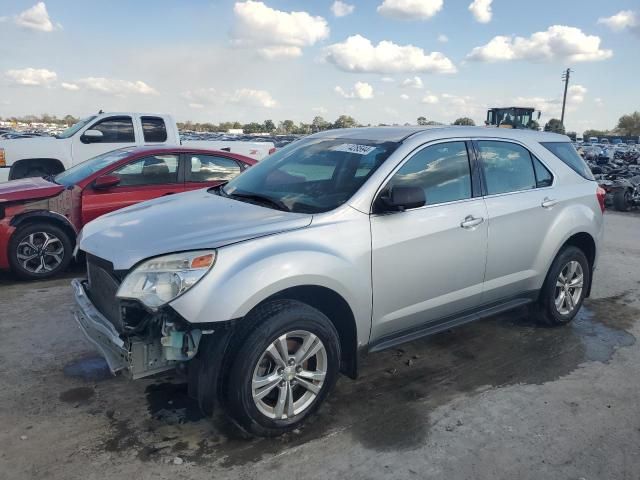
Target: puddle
{"x":89,"y":369}
{"x":388,"y":407}
{"x":80,"y":395}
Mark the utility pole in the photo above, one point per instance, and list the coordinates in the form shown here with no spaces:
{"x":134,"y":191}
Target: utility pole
{"x":565,"y":78}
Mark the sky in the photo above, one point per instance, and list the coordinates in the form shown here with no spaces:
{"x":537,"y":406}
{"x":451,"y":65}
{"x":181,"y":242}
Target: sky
{"x":380,"y":61}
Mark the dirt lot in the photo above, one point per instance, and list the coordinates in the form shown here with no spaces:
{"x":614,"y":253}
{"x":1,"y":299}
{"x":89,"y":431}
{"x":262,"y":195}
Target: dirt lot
{"x":502,"y":398}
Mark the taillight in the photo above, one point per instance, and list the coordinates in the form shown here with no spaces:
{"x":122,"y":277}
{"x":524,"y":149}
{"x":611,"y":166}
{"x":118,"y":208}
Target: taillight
{"x":272,"y":150}
{"x":3,"y":158}
{"x":601,"y":193}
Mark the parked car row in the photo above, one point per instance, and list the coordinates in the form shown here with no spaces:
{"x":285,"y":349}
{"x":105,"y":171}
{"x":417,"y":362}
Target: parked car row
{"x":264,"y":289}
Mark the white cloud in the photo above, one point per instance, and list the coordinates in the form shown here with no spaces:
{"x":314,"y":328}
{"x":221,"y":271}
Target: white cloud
{"x":253,"y":98}
{"x":202,"y":97}
{"x":33,"y":77}
{"x":625,"y":19}
{"x":404,"y":96}
{"x":321,"y":110}
{"x":557,"y":42}
{"x":358,"y":54}
{"x":410,"y":9}
{"x":36,"y":18}
{"x":430,"y":99}
{"x":342,"y":9}
{"x":549,"y":107}
{"x":598,"y":101}
{"x":361,"y":90}
{"x":414,"y":82}
{"x":275,"y":33}
{"x":387,"y":79}
{"x":72,"y":87}
{"x":481,"y":10}
{"x":576,"y":94}
{"x":114,"y":86}
{"x":442,"y":38}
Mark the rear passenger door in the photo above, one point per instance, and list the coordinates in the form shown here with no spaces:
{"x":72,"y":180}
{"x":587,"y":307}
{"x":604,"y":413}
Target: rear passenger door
{"x":142,"y":179}
{"x":522,"y":206}
{"x":428,"y":263}
{"x":204,"y":171}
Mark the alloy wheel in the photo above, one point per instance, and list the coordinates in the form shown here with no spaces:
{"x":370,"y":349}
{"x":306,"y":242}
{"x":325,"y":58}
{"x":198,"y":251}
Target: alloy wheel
{"x":289,"y":375}
{"x":40,"y":252}
{"x":569,"y":287}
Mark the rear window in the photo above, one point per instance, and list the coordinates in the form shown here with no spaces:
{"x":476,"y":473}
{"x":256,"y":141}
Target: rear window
{"x":154,"y":129}
{"x":566,"y":152}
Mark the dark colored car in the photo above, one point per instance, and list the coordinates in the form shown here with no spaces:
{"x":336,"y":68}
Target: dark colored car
{"x":40,"y":217}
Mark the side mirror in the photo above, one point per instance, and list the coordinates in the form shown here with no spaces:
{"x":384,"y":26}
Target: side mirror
{"x":400,"y":198}
{"x":92,"y":136}
{"x":106,"y":181}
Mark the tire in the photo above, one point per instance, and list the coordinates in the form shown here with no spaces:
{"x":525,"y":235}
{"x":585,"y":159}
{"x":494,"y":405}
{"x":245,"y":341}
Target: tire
{"x":622,"y":200}
{"x":267,"y":416}
{"x":57,"y":255}
{"x":547,"y":310}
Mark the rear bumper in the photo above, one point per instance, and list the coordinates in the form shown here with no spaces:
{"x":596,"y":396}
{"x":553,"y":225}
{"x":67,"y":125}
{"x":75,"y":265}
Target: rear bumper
{"x":98,"y":330}
{"x":6,"y":230}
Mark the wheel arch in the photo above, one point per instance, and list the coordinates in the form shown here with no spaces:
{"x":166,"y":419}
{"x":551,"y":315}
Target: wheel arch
{"x":21,"y":167}
{"x":585,"y":242}
{"x":45,"y":216}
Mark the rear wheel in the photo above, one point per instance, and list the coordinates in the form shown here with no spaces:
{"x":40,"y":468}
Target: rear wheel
{"x":39,"y":250}
{"x":284,"y":368}
{"x":565,"y":287}
{"x":622,"y":200}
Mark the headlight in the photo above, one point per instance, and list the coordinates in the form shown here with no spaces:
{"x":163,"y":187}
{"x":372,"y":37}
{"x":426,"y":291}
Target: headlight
{"x":160,"y":280}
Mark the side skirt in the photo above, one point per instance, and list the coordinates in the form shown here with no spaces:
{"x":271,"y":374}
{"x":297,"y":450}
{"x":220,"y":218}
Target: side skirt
{"x":450,"y":322}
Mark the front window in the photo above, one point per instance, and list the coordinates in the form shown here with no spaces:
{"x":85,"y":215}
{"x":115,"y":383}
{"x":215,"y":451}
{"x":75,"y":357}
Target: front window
{"x":312,"y":175}
{"x":152,"y":170}
{"x":71,"y":131}
{"x":79,"y":172}
{"x":115,"y":130}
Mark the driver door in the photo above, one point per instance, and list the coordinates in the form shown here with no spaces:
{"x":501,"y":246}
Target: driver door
{"x":142,"y":179}
{"x":428,"y":263}
{"x":117,"y":132}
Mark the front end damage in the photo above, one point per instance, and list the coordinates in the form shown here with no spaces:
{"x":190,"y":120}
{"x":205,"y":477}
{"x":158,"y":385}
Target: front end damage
{"x":132,"y":340}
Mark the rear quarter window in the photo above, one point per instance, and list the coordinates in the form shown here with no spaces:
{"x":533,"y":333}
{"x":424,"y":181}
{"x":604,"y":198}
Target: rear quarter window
{"x":567,"y":153}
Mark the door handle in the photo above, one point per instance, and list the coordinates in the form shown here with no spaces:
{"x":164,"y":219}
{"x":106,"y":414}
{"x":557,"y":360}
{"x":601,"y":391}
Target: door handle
{"x":471,"y":221}
{"x":548,"y":202}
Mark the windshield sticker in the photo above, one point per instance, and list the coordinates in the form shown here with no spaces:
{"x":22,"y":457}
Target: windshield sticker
{"x":354,"y":148}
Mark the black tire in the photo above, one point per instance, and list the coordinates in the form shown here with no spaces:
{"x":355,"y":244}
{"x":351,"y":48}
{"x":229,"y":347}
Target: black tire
{"x":545,"y":310}
{"x":622,"y":200}
{"x":271,"y":321}
{"x":23,"y":233}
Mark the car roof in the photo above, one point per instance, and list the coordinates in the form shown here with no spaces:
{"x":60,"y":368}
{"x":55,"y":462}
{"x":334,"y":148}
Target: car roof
{"x":160,"y":149}
{"x":399,"y":134}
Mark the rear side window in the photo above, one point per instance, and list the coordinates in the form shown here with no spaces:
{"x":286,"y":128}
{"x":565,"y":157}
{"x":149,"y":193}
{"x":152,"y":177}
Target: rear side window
{"x":154,"y":129}
{"x":543,"y":176}
{"x":507,"y":167}
{"x":566,"y":152}
{"x":209,"y":168}
{"x":442,"y":170}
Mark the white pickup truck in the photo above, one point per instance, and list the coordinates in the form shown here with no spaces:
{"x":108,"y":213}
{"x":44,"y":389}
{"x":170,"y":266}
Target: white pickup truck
{"x":97,"y":134}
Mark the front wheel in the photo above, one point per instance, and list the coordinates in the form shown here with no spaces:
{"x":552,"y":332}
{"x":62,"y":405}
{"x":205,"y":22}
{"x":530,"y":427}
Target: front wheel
{"x":622,"y":200}
{"x":565,"y":287}
{"x":39,"y":250}
{"x":284,"y":368}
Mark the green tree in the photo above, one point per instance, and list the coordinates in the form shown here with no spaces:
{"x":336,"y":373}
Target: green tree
{"x":594,"y":133}
{"x":318,"y":124}
{"x":464,"y":121}
{"x":629,"y":125}
{"x":253,"y":127}
{"x":422,"y":121}
{"x":345,"y":121}
{"x":534,"y":125}
{"x":269,"y":126}
{"x":554,"y":125}
{"x":287,"y":126}
{"x":572,"y":135}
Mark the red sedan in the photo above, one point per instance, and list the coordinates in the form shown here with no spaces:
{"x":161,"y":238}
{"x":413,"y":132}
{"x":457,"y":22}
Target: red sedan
{"x":39,"y":218}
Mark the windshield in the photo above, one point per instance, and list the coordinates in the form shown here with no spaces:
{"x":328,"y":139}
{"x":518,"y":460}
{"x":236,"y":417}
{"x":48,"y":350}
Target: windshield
{"x":69,"y":132}
{"x":81,"y":171}
{"x":311,"y":175}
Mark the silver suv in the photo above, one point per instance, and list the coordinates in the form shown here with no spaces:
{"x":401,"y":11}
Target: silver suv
{"x":264,"y":289}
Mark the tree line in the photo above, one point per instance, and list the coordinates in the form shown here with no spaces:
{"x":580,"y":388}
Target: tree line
{"x":628,"y":126}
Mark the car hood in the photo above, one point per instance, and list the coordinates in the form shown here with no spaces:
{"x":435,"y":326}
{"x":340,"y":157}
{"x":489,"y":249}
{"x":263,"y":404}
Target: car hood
{"x":188,"y":221}
{"x":28,"y":189}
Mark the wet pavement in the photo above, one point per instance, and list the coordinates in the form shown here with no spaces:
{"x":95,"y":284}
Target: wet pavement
{"x":504,"y":382}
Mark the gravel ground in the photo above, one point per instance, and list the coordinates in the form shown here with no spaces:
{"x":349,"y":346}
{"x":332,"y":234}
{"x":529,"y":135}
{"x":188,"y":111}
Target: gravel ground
{"x":501,"y":398}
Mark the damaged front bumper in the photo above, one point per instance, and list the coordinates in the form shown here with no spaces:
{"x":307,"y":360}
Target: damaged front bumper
{"x":136,"y":357}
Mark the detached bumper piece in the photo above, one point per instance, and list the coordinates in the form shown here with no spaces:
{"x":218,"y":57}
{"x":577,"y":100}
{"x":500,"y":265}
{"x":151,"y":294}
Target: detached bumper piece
{"x":136,"y":357}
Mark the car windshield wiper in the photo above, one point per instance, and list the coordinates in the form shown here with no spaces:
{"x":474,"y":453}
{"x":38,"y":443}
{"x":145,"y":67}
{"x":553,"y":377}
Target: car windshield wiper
{"x":258,"y":198}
